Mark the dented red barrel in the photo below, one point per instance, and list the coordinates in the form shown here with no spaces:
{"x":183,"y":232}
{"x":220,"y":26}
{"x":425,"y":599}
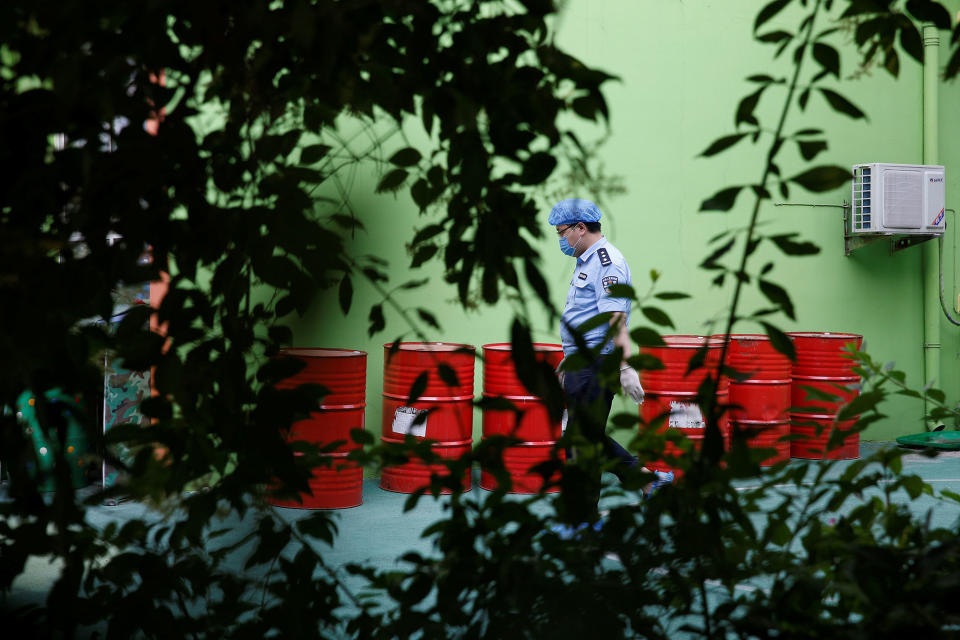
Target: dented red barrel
{"x":671,"y":393}
{"x":824,"y":365}
{"x":338,"y":484}
{"x":760,"y":404}
{"x":533,"y":426}
{"x":442,"y":414}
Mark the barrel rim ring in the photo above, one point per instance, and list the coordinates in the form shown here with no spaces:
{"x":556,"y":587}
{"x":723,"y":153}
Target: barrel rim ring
{"x":404,"y":398}
{"x":828,"y":335}
{"x":321,"y":352}
{"x":537,"y":346}
{"x":432,"y":347}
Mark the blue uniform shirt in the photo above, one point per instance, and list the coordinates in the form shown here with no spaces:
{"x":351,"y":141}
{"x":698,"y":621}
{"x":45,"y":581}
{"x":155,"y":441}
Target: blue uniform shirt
{"x":600,"y":267}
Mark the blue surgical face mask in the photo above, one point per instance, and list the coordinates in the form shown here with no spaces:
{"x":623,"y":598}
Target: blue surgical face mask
{"x":565,"y":246}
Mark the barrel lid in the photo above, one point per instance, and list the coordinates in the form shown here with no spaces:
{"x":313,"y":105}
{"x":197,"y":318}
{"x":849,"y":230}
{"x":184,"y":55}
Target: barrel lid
{"x":686,"y":341}
{"x":431,"y":346}
{"x":322,"y":352}
{"x":537,"y":346}
{"x":746,"y":337}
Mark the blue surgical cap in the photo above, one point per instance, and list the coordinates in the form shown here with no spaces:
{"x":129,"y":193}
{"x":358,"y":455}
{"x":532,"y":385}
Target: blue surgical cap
{"x":574,"y":210}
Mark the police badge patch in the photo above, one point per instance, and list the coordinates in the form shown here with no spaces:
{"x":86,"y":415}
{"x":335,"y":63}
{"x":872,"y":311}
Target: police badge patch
{"x":608,"y":281}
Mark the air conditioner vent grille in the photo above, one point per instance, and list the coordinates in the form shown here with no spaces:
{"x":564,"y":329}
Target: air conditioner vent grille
{"x":862,"y":214}
{"x":902,"y":194}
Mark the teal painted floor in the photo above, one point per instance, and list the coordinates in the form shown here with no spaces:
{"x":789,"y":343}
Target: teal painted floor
{"x":379,"y":531}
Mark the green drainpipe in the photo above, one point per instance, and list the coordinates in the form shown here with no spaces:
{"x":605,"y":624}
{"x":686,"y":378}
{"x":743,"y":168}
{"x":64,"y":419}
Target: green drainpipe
{"x":930,"y":273}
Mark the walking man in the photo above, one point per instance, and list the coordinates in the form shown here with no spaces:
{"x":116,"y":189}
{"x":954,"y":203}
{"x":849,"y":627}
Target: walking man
{"x":600,"y":266}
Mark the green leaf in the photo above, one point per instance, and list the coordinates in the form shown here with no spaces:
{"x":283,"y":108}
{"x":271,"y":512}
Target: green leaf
{"x":622,"y":291}
{"x":448,"y":375}
{"x":345,"y":293}
{"x":377,"y":323}
{"x":524,"y":357}
{"x":914,"y":485}
{"x":418,"y":387}
{"x":776,"y":36}
{"x":710,"y":262}
{"x":347,"y":222}
{"x":406,"y":157}
{"x":768,"y":12}
{"x":428,"y":318}
{"x":841,"y":104}
{"x":809,"y":149}
{"x":746,"y":107}
{"x":280,"y":334}
{"x":828,"y":57}
{"x":422,"y":254}
{"x":537,"y":282}
{"x":926,"y":11}
{"x":646,"y":337}
{"x":720,"y":144}
{"x":362,"y":437}
{"x":422,"y":194}
{"x":374,"y":275}
{"x":825,"y":178}
{"x":953,"y":66}
{"x":599,"y":320}
{"x":912,"y":42}
{"x":671,"y":295}
{"x":657,"y":316}
{"x":538,"y":168}
{"x":779,"y":533}
{"x":392,"y":181}
{"x":786,"y":244}
{"x":314,"y":153}
{"x":426,"y":233}
{"x":862,"y":403}
{"x":414,"y":284}
{"x":319,"y":525}
{"x":778,"y":296}
{"x":722,"y":200}
{"x":779,"y":340}
{"x":278,"y":271}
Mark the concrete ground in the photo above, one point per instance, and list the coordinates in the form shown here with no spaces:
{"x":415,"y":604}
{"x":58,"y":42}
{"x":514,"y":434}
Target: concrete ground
{"x":378,"y":532}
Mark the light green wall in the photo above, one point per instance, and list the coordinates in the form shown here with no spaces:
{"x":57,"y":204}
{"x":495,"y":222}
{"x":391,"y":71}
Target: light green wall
{"x":682,"y":67}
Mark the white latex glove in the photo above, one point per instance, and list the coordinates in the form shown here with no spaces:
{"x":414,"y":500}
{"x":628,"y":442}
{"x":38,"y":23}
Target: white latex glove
{"x":630,"y":381}
{"x":561,"y":374}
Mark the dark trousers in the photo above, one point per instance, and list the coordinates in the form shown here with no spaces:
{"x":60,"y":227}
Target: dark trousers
{"x":588,"y":408}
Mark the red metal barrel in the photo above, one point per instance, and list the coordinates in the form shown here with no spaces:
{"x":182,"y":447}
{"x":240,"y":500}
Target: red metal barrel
{"x":344,"y":372}
{"x":823,"y":364}
{"x":760,"y":405}
{"x":449,"y":408}
{"x":671,"y":393}
{"x":534,"y":427}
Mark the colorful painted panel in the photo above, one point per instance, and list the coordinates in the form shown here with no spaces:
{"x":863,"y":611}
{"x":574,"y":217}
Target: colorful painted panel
{"x":76,"y":448}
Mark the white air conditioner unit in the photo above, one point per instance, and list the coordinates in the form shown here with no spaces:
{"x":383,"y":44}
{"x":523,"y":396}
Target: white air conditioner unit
{"x":897,"y":199}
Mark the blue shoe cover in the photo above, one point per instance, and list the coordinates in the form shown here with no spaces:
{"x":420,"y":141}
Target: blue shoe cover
{"x":661,"y":479}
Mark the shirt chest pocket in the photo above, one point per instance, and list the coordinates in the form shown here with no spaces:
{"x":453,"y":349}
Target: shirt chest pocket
{"x":583,"y":290}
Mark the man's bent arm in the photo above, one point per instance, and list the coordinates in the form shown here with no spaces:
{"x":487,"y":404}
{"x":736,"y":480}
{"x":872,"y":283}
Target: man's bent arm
{"x":621,"y":338}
